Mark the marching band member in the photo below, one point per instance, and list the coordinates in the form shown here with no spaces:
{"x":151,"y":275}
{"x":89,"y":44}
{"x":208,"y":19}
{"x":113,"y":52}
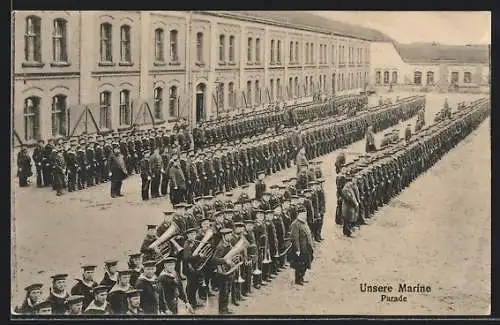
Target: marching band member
{"x":193,"y":276}
{"x":251,"y":262}
{"x":149,"y":239}
{"x":224,"y":281}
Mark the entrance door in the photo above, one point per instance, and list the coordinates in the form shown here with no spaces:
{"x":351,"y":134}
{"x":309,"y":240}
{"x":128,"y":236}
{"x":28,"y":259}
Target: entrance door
{"x":200,"y":102}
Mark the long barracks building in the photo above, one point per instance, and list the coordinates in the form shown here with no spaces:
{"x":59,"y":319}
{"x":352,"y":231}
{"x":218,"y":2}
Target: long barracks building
{"x":115,"y":68}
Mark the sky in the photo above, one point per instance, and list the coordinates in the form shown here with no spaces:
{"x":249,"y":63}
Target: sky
{"x":445,"y":27}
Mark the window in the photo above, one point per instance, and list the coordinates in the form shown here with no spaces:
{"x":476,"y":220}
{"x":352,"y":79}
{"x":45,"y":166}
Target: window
{"x":417,"y":78}
{"x":306,"y":86}
{"x":290,"y":88}
{"x":430,"y":77}
{"x":257,"y":92}
{"x":272,"y":51}
{"x":321,"y":53}
{"x":158,"y":103}
{"x":249,"y":93}
{"x":159,"y":55}
{"x":124,"y":107}
{"x":271,"y":89}
{"x":232,"y":95}
{"x":296,"y":52}
{"x":60,"y":49}
{"x":173,"y":102}
{"x":31,"y":118}
{"x":249,"y":49}
{"x":307,"y":52}
{"x":174,"y":55}
{"x":386,"y":77}
{"x":467,"y":77}
{"x":311,"y":84}
{"x":278,"y":89}
{"x":278,"y":52}
{"x":222,"y":48}
{"x":199,"y":47}
{"x":220,"y":96}
{"x":297,"y":90}
{"x":125,"y":55}
{"x":106,"y":44}
{"x":105,"y":110}
{"x":231,"y":48}
{"x":312,"y":53}
{"x":291,"y":53}
{"x":333,"y":54}
{"x":454,"y":77}
{"x":257,"y":50}
{"x":394,"y":77}
{"x":32,"y":40}
{"x":377,"y":77}
{"x":59,"y":115}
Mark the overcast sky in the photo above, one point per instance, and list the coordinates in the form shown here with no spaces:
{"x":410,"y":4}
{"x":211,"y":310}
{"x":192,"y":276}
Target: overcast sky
{"x":447,"y":27}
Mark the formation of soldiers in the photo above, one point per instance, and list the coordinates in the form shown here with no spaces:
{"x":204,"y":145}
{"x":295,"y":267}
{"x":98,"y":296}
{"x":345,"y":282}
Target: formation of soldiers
{"x":191,"y":255}
{"x":371,"y":180}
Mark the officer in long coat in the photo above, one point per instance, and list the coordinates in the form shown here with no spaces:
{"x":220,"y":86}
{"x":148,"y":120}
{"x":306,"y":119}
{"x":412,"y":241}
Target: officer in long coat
{"x":302,"y":246}
{"x":350,"y":206}
{"x":177,"y":183}
{"x":117,"y":170}
{"x":38,"y":159}
{"x":23,"y":167}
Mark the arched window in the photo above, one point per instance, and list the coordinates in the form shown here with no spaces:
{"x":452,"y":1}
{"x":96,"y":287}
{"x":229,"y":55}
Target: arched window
{"x":59,"y":115}
{"x":312,"y":53}
{"x":257,"y":50}
{"x":220,"y":96}
{"x":231,"y":95}
{"x":231,"y":48}
{"x":174,"y":46}
{"x":271,"y":89}
{"x":290,"y":88}
{"x":249,"y":49}
{"x":311,"y":84}
{"x":278,"y":89}
{"x":125,"y":52}
{"x":199,"y":47}
{"x":32,"y":118}
{"x":278,"y":52}
{"x":386,"y":77}
{"x":106,"y":43}
{"x":159,"y":45}
{"x":394,"y":77}
{"x":158,"y":103}
{"x":249,"y":93}
{"x":257,"y":92}
{"x":291,"y":52}
{"x":306,"y":86}
{"x":173,"y":102}
{"x":60,"y":41}
{"x":297,"y":90}
{"x":222,"y":48}
{"x":105,"y":110}
{"x":333,"y":54}
{"x":296,"y":52}
{"x":306,"y":50}
{"x":272,"y":51}
{"x":377,"y":77}
{"x":430,"y":78}
{"x":32,"y":40}
{"x":124,"y":107}
{"x":467,"y":77}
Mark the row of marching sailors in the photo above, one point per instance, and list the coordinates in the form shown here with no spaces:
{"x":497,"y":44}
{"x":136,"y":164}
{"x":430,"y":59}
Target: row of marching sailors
{"x":369,"y":182}
{"x":266,"y":226}
{"x":242,"y":125}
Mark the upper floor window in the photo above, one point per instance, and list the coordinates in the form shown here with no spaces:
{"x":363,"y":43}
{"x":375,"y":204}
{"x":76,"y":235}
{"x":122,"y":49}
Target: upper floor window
{"x":159,"y":45}
{"x":199,"y":47}
{"x":394,"y":77}
{"x":32,"y":40}
{"x":174,"y":46}
{"x":467,"y":77}
{"x":220,"y":96}
{"x":59,"y":41}
{"x":125,"y":53}
{"x":417,"y":78}
{"x":291,"y":53}
{"x":386,"y":77}
{"x":296,"y":52}
{"x":333,"y":54}
{"x":257,"y":50}
{"x":311,"y":56}
{"x":307,"y":52}
{"x":278,"y":52}
{"x":272,"y":51}
{"x":231,"y":48}
{"x":249,"y":49}
{"x":124,"y":107}
{"x":32,"y":118}
{"x":158,"y":103}
{"x":106,"y":43}
{"x":222,"y":48}
{"x":105,"y":110}
{"x":59,"y":115}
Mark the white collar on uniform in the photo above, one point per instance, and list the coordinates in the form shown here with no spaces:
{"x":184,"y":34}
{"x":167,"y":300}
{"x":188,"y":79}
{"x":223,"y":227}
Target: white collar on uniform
{"x":93,"y":306}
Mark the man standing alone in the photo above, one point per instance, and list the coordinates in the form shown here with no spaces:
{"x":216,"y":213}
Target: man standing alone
{"x":118,"y":171}
{"x":302,"y":246}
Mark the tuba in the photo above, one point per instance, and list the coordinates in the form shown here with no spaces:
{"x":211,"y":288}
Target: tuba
{"x":204,"y":250}
{"x":233,"y":258}
{"x":164,"y":245}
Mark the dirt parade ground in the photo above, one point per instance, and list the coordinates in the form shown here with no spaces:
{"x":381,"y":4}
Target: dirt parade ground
{"x":436,"y":233}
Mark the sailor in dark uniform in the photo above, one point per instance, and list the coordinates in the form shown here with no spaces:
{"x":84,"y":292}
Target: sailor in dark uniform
{"x":84,"y":286}
{"x":171,"y":288}
{"x":135,"y":265}
{"x":100,"y":305}
{"x":33,"y":296}
{"x":110,"y":275}
{"x":58,"y":294}
{"x":134,"y":302}
{"x":148,"y":284}
{"x":74,"y":305}
{"x":117,"y":297}
{"x":260,"y":185}
{"x":43,"y":308}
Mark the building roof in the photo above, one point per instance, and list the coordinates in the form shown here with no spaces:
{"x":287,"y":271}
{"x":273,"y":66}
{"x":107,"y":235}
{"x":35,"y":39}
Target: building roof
{"x":435,"y":52}
{"x":304,"y":19}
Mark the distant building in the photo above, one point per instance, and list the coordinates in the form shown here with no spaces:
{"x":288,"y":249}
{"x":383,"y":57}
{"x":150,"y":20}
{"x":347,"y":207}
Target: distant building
{"x":430,"y":65}
{"x":111,"y":69}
